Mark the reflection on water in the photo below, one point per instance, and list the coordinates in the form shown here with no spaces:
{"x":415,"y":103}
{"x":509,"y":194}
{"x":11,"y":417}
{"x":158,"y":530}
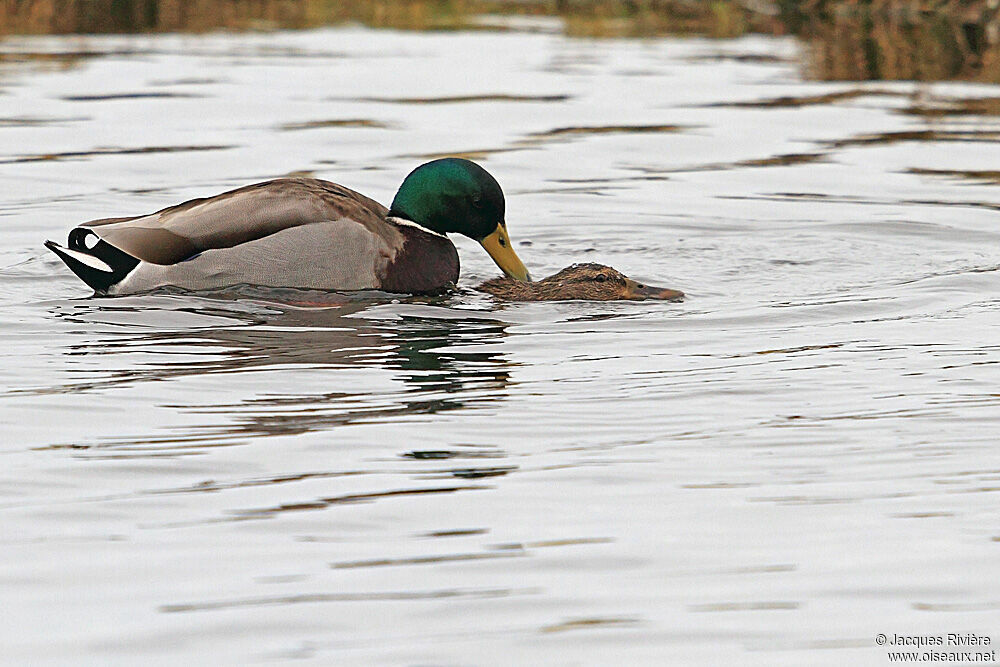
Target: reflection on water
{"x":811,"y":100}
{"x":349,"y":122}
{"x":340,"y":597}
{"x":417,"y":351}
{"x":78,"y":155}
{"x":945,"y":107}
{"x":982,"y":176}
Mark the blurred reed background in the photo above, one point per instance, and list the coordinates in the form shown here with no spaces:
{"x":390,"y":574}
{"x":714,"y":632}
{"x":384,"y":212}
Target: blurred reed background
{"x":926,"y":40}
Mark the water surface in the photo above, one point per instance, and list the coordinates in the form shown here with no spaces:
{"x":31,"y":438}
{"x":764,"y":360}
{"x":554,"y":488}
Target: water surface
{"x":801,"y":455}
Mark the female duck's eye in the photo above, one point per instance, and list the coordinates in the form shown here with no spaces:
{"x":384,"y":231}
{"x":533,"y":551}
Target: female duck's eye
{"x":600,"y":278}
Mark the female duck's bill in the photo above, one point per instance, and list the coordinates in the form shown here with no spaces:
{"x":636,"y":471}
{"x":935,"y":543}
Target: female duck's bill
{"x":590,"y":282}
{"x":302,"y":233}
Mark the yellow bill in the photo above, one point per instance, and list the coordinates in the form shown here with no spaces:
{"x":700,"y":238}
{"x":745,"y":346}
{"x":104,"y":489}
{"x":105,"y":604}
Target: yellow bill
{"x":498,"y":246}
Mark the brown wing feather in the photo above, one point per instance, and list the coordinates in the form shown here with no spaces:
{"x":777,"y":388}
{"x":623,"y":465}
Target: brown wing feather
{"x":238,"y":216}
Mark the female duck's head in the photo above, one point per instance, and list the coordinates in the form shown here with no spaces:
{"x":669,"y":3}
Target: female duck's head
{"x":456,"y":195}
{"x":591,"y":282}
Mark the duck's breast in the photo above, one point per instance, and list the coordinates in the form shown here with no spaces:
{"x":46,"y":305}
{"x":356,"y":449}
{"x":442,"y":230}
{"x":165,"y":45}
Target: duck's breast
{"x":425,"y":263}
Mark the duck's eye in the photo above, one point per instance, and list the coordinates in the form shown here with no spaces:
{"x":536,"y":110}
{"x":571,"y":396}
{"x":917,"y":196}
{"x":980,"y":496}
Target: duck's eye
{"x":477,"y":201}
{"x":600,"y":278}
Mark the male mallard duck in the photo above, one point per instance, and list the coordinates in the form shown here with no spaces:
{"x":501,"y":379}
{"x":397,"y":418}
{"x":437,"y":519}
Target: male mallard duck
{"x":591,"y":282}
{"x":304,"y":233}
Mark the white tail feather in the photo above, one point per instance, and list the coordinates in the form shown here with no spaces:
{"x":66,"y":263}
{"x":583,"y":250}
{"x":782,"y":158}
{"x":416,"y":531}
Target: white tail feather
{"x":89,"y":260}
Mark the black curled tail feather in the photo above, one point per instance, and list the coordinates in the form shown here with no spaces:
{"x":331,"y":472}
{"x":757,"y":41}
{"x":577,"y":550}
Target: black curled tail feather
{"x":95,"y":261}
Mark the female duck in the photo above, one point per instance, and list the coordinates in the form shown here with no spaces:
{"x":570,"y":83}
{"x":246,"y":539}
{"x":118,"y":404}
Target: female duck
{"x":302,"y":233}
{"x":589,"y":282}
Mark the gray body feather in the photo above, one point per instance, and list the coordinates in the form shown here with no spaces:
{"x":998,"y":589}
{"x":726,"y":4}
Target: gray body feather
{"x":291,"y":232}
{"x":335,"y":255}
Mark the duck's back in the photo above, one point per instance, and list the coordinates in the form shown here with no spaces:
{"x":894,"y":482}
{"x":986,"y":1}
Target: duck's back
{"x":247,"y":214}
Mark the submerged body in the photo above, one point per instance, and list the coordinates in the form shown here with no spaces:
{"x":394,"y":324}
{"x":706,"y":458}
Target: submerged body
{"x":590,"y":282}
{"x":301,"y":233}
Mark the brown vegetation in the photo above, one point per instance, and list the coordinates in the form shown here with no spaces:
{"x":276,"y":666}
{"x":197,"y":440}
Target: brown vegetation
{"x":923,"y":40}
{"x":847,"y":39}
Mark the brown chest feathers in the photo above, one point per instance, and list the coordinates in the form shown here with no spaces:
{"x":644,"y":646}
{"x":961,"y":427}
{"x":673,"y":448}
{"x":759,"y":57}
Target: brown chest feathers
{"x":426,"y":263}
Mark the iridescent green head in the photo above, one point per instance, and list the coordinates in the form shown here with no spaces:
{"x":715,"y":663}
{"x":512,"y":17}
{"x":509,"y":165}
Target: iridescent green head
{"x":453,"y":195}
